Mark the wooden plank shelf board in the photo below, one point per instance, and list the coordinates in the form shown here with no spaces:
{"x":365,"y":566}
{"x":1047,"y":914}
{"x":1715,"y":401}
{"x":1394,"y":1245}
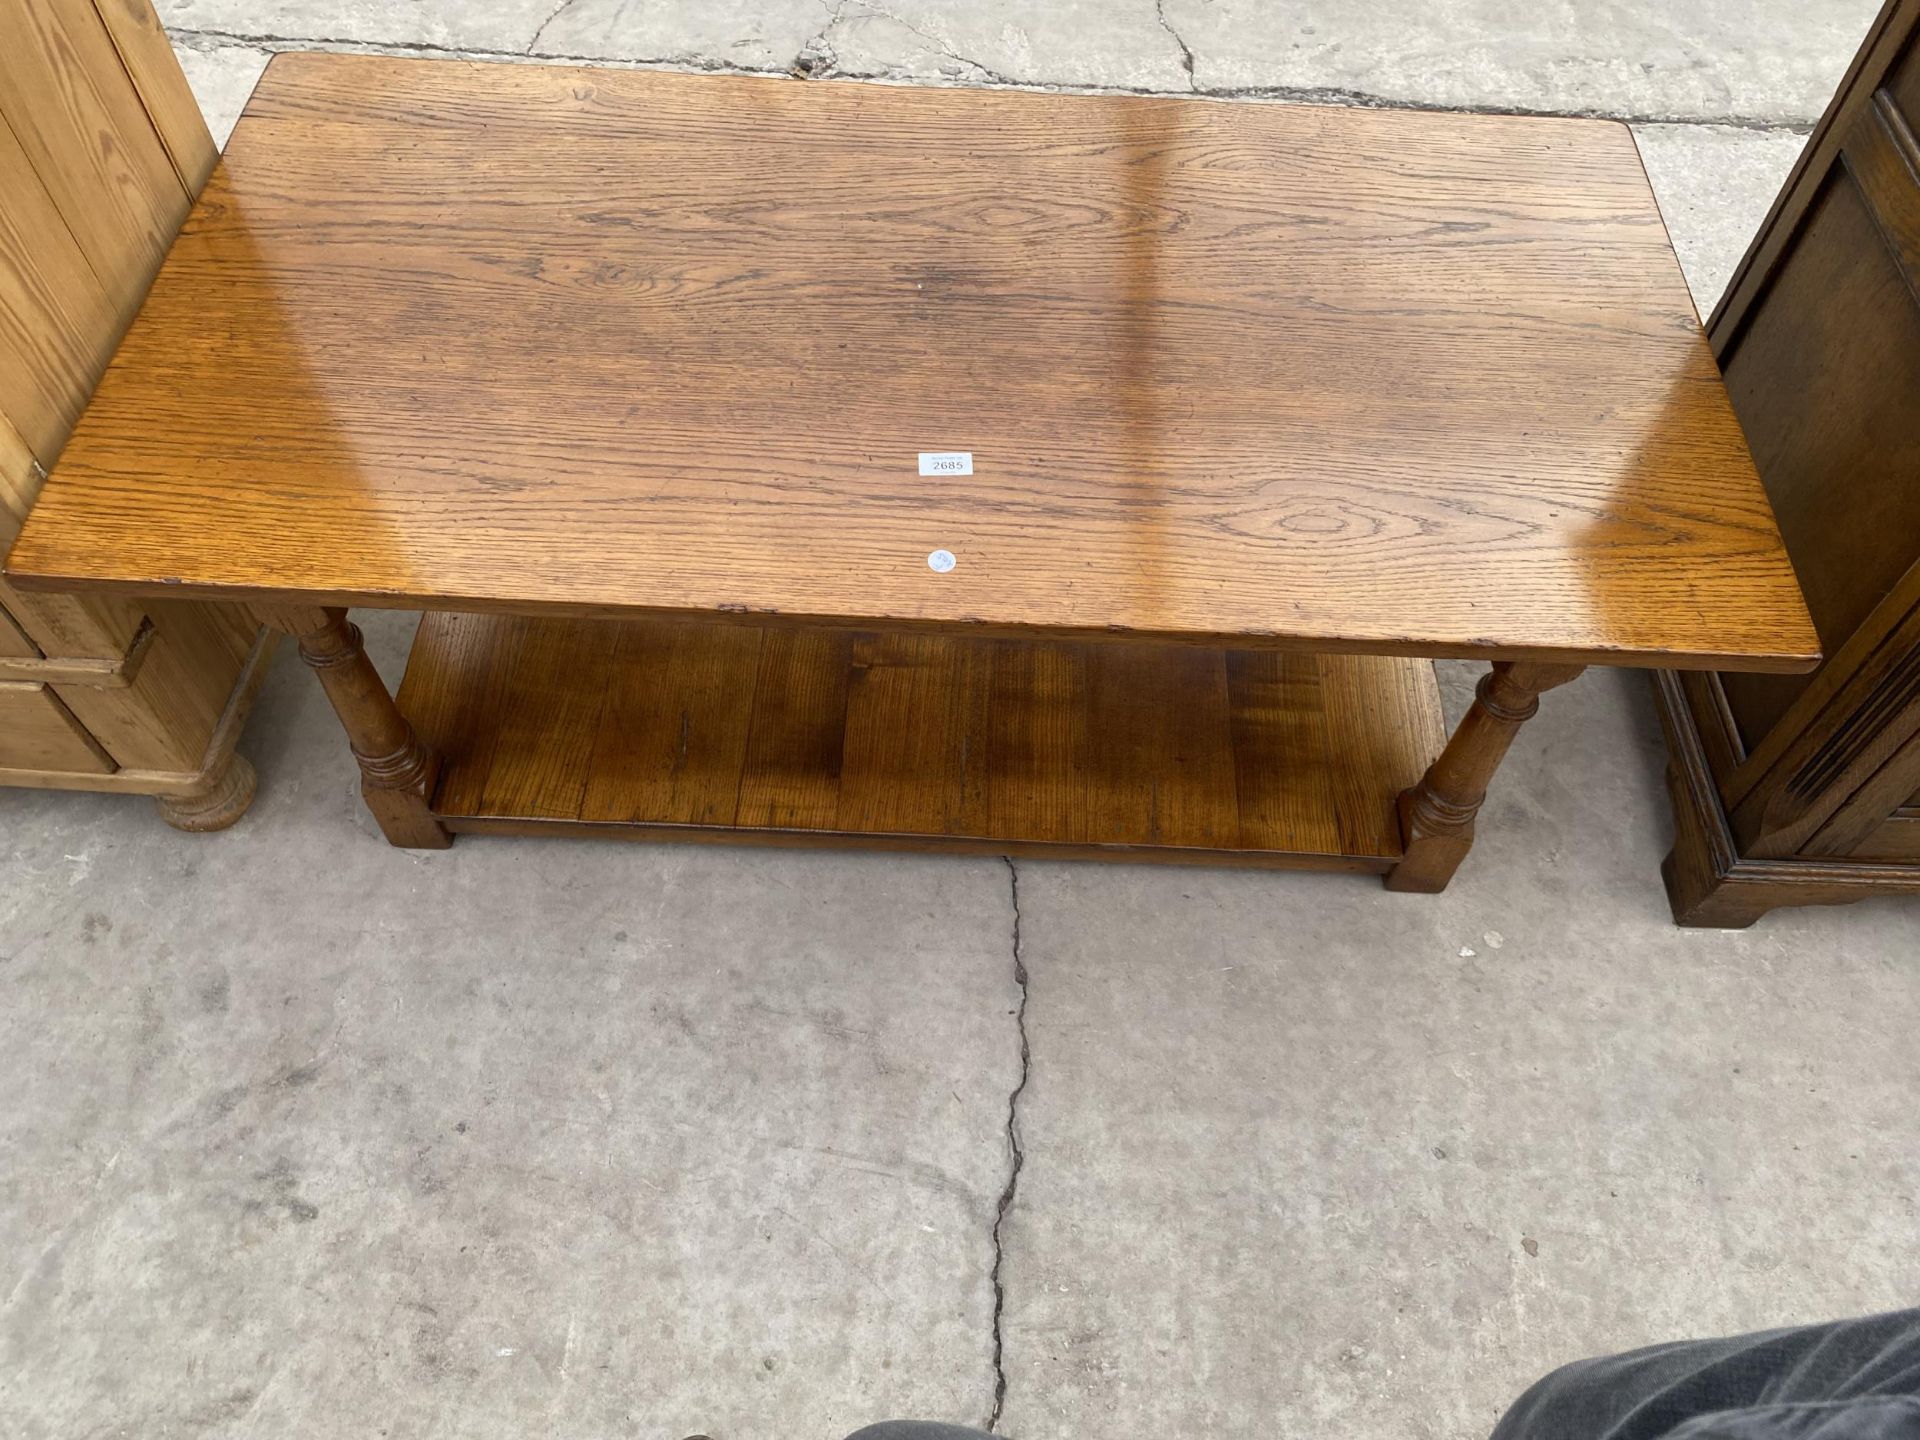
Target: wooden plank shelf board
{"x":709,"y":730}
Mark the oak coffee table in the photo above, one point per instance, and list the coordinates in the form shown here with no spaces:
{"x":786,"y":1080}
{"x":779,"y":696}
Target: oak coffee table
{"x":970,"y":470}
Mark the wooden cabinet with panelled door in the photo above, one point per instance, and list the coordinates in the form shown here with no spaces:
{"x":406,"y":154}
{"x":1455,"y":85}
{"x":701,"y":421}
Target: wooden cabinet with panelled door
{"x":1797,"y":790}
{"x":102,"y":150}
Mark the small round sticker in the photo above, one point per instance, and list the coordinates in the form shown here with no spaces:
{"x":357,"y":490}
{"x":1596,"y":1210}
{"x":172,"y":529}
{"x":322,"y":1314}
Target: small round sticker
{"x":941,"y":561}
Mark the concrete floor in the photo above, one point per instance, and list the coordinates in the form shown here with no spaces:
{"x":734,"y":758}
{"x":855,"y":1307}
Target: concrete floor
{"x":304,"y":1136}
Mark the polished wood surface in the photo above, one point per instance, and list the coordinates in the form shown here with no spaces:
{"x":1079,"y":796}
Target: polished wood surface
{"x":524,"y":338}
{"x":690,"y":729}
{"x":102,"y":149}
{"x":1800,"y":790}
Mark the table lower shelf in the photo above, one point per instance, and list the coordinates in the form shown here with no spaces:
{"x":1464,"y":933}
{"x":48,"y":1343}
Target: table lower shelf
{"x":707,"y":730}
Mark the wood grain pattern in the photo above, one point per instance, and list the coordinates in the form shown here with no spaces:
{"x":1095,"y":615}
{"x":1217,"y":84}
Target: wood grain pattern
{"x":1902,"y":82}
{"x":162,"y":88}
{"x":1883,"y":158}
{"x":205,"y":778}
{"x":28,"y":664}
{"x":42,"y":734}
{"x":57,"y":326}
{"x":20,"y":478}
{"x":1851,"y":737}
{"x":1711,"y":884}
{"x":1886,"y":54}
{"x":96,"y":628}
{"x":101,"y":146}
{"x":67,"y":287}
{"x":155,"y":717}
{"x":14,"y":644}
{"x":163,"y":720}
{"x":933,"y":741}
{"x":513,"y":337}
{"x":1824,"y":378}
{"x":1897,"y":839}
{"x":1798,"y":790}
{"x":67,"y":98}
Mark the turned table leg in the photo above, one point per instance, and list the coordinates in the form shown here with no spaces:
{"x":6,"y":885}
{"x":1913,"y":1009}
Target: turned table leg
{"x":397,"y":772}
{"x":1436,"y":816}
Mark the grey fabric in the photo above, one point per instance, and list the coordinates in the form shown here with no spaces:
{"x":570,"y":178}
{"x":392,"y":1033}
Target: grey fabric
{"x":1893,"y":1417}
{"x":1847,"y":1380}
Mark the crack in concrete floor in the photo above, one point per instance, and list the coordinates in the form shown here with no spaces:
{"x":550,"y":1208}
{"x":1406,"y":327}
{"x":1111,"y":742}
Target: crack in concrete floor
{"x":1016,"y":1159}
{"x":1186,"y":50}
{"x":546,"y":24}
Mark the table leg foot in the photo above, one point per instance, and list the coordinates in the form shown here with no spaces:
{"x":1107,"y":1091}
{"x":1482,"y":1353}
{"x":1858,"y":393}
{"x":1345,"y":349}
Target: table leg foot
{"x":1436,"y":816}
{"x":397,"y":772}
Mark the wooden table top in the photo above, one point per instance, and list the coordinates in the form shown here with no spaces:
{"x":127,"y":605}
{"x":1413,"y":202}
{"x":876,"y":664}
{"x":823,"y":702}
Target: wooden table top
{"x":504,"y":337}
